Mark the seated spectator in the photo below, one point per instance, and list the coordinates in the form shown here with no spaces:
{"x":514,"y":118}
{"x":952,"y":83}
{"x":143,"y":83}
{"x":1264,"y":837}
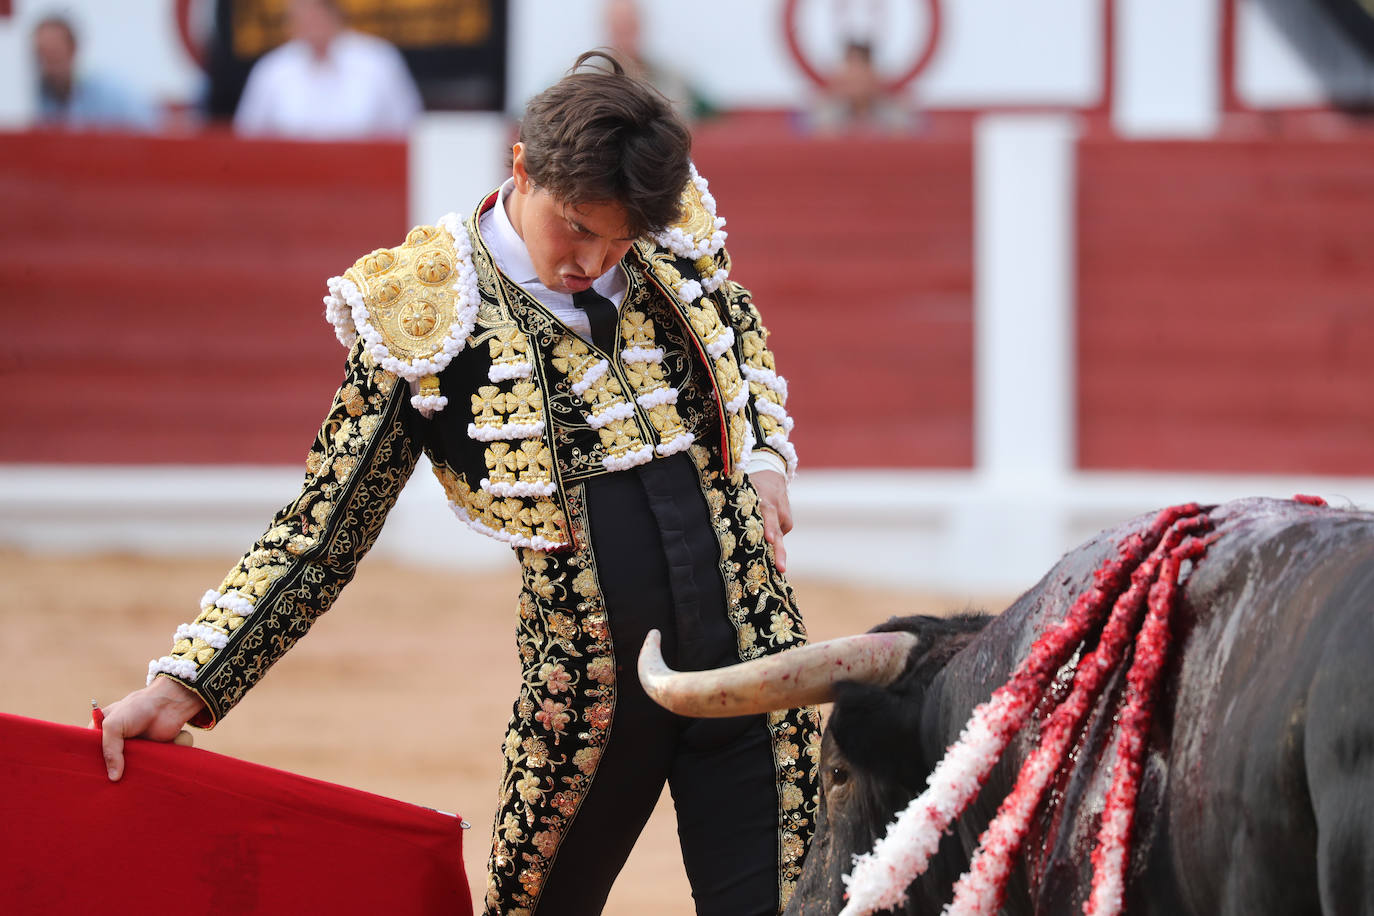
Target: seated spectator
{"x":856,"y":99}
{"x":328,"y":83}
{"x":624,"y":34}
{"x":67,"y":98}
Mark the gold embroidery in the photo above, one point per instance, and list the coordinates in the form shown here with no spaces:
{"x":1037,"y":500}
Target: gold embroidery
{"x":619,"y":437}
{"x":534,"y":462}
{"x":409,"y":303}
{"x":500,"y":463}
{"x":508,"y":347}
{"x":572,"y":358}
{"x":489,"y":406}
{"x":696,"y":220}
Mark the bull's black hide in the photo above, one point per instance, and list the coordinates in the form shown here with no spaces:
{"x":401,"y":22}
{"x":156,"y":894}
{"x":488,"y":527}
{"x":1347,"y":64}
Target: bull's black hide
{"x":1258,"y":790}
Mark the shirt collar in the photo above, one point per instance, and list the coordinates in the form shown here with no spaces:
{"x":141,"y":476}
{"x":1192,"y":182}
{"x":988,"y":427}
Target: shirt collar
{"x":508,"y":249}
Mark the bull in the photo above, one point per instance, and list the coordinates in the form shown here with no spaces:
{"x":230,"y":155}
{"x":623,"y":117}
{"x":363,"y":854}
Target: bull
{"x":1256,"y":772}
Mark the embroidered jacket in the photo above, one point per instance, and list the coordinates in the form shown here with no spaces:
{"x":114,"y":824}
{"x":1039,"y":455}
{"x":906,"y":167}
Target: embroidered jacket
{"x":513,"y":409}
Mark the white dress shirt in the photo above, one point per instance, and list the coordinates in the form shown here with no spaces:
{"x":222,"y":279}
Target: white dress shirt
{"x":362,"y":88}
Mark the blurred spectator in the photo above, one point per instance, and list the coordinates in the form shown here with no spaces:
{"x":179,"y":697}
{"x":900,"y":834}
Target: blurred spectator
{"x":623,"y":32}
{"x":856,"y":99}
{"x":328,"y":82}
{"x":69,"y":98}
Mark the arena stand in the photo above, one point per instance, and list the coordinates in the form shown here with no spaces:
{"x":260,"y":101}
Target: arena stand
{"x":1000,"y":336}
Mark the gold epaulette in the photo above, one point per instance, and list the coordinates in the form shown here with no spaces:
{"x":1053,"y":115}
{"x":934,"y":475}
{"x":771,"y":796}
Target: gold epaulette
{"x":698,"y":234}
{"x":413,"y":305}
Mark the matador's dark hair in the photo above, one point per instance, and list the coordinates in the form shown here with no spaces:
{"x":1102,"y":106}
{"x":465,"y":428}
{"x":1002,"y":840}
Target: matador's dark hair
{"x":600,"y":135}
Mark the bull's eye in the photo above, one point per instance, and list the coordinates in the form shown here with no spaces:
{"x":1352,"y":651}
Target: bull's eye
{"x":838,"y":775}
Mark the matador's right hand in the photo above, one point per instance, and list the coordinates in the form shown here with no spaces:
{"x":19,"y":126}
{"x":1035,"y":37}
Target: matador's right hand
{"x":156,"y":712}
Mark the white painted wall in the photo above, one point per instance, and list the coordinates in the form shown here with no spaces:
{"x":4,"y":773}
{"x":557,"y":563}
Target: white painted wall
{"x":1167,"y":68}
{"x":992,"y":53}
{"x":454,"y":159}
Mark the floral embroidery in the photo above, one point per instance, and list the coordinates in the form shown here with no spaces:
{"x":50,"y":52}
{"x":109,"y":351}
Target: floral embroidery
{"x":561,"y":718}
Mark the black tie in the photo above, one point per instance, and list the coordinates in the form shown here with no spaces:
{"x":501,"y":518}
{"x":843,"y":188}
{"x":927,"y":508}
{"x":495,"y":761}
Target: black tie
{"x":602,"y":316}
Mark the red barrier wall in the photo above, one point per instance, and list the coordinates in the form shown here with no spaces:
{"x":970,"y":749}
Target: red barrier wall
{"x":859,"y":253}
{"x":162,"y":297}
{"x":1226,"y":306}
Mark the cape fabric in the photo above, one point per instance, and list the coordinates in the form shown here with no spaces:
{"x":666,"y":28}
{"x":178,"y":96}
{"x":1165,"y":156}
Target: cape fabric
{"x":190,"y":831}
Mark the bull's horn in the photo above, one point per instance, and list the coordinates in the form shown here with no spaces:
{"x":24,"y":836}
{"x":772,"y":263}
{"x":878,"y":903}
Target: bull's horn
{"x":796,"y":677}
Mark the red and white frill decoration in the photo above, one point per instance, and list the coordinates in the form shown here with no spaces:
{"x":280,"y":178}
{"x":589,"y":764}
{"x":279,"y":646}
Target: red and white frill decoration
{"x":1142,"y":576}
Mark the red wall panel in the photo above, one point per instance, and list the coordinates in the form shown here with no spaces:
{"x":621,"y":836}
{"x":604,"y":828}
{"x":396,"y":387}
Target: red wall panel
{"x":162,"y":297}
{"x":859,"y":253}
{"x":1226,"y":306}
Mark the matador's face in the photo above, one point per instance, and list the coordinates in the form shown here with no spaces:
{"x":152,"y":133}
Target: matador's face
{"x":569,"y":246}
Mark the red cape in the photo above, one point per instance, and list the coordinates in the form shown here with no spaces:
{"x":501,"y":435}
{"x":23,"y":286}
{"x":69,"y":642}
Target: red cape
{"x":188,"y":831}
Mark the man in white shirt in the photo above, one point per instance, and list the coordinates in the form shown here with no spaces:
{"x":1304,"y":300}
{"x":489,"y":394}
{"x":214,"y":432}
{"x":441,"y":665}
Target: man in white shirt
{"x":328,"y":83}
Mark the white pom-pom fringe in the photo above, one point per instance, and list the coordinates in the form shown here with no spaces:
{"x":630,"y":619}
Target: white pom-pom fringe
{"x":236,"y":602}
{"x":657,"y":397}
{"x":765,"y":406}
{"x":736,"y":404}
{"x":519,"y":488}
{"x":504,"y":371}
{"x":784,"y":448}
{"x":620,"y":410}
{"x":506,"y":431}
{"x":629,"y":459}
{"x":766,"y":377}
{"x":678,"y":444}
{"x":723,"y":342}
{"x":215,"y":639}
{"x":590,"y":377}
{"x":642,"y":355}
{"x":432,"y":403}
{"x":178,"y":667}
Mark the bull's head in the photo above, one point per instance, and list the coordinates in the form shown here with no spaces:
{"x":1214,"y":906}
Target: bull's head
{"x":873,"y":758}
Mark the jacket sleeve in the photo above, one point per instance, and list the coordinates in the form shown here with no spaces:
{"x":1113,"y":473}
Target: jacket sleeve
{"x":766,"y":408}
{"x":365,"y":451}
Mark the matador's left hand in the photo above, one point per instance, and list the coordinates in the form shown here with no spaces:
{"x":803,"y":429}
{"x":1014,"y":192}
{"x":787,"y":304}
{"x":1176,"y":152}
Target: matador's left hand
{"x":777,"y":512}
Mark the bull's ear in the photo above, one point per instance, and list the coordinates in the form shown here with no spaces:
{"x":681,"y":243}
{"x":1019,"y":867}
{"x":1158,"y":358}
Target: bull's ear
{"x":877,"y":729}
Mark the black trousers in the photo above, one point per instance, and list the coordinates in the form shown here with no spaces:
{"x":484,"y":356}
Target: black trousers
{"x":658,"y":561}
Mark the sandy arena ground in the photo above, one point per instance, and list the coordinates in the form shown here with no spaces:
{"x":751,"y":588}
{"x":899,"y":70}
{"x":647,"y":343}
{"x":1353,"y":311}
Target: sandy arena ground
{"x":403,"y":696}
